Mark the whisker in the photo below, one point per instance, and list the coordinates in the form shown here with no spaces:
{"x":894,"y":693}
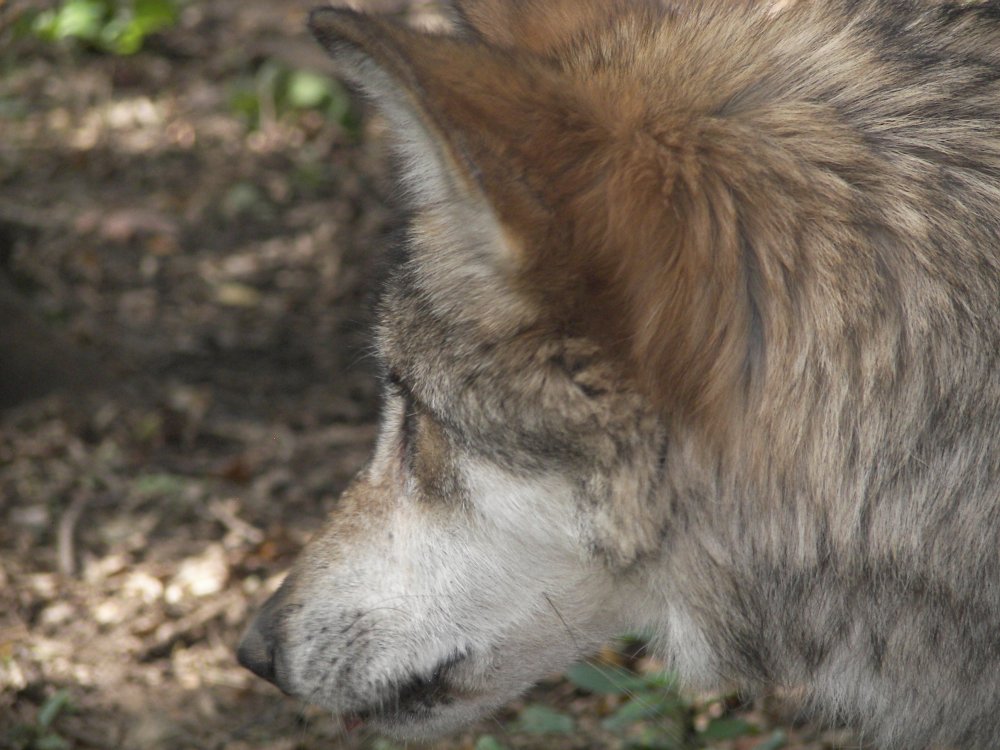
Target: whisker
{"x":569,"y":631}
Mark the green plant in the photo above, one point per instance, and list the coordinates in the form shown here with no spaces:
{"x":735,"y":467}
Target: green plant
{"x":489,"y":742}
{"x":119,"y":27}
{"x":538,"y":719}
{"x":276,"y":91}
{"x":41,"y":735}
{"x":652,"y":714}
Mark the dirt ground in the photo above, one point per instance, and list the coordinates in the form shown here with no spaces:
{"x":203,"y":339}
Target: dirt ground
{"x":198,"y":285}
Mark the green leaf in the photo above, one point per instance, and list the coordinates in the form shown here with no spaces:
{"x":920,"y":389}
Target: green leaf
{"x":243,"y":199}
{"x":338,"y":107}
{"x":82,"y":19}
{"x":775,"y":742}
{"x":659,"y":738}
{"x":603,"y":680}
{"x":125,"y":33}
{"x":116,"y":26}
{"x":50,"y":741}
{"x":488,"y":742}
{"x":50,"y":710}
{"x":153,"y":15}
{"x":20,"y":736}
{"x":660,"y":681}
{"x":244,"y":101}
{"x":269,"y":78}
{"x":120,"y":36}
{"x":641,"y":707}
{"x":543,"y":720}
{"x":727,"y":729}
{"x":44,"y":25}
{"x":158,"y":484}
{"x":307,"y":89}
{"x":12,"y":108}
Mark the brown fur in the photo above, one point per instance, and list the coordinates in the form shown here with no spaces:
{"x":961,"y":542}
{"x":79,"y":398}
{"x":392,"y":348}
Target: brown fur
{"x":731,"y":273}
{"x":583,"y":173}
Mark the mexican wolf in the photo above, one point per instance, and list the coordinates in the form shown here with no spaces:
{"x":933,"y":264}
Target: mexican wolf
{"x":696,"y":329}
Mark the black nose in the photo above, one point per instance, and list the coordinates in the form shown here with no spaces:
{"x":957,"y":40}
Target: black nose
{"x":260,"y":648}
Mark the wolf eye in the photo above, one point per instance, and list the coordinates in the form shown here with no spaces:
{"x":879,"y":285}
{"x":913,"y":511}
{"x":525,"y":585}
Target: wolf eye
{"x":402,"y":389}
{"x":400,"y":386}
{"x":409,"y":427}
{"x":410,"y":408}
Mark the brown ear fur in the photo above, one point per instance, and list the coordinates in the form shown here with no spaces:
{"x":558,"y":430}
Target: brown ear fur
{"x":627,"y":233}
{"x":650,"y":246}
{"x":471,"y":97}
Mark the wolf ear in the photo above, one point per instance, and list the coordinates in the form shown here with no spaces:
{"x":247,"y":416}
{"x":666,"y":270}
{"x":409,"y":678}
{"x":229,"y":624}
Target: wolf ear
{"x":540,"y":26}
{"x":533,"y":195}
{"x":376,"y":55}
{"x":456,"y":109}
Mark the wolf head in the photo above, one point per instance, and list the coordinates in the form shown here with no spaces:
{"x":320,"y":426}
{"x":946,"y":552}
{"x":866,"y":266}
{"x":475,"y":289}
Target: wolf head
{"x":695,"y":328}
{"x":516,"y":464}
{"x":524,"y":338}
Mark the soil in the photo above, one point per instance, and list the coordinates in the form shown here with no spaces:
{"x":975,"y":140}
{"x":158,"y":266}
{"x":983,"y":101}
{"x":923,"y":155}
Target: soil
{"x":184,"y":384}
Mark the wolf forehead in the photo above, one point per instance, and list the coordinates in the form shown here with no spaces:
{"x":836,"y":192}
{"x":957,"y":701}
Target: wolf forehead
{"x":520,"y":389}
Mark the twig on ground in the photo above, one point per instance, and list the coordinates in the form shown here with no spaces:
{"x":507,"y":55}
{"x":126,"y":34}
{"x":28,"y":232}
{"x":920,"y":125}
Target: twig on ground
{"x":67,"y":531}
{"x":189,"y":626}
{"x":225,"y":512}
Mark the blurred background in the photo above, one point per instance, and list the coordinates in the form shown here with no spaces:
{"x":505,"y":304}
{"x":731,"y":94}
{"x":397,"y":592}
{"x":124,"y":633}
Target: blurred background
{"x":191,"y":216}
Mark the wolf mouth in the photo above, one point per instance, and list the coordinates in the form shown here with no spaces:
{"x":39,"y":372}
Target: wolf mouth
{"x":412,"y":698}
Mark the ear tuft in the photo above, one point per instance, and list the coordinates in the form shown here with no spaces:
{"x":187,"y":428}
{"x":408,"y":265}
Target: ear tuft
{"x":326,"y":23}
{"x":332,"y":26}
{"x":353,"y":39}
